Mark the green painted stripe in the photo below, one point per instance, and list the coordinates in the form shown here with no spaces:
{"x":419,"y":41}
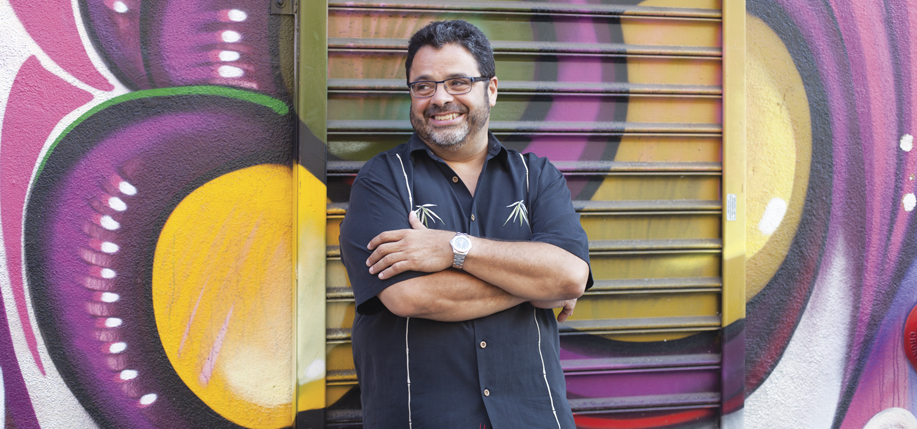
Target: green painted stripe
{"x":274,"y":104}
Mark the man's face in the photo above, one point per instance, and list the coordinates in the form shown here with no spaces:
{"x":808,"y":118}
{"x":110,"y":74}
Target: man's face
{"x":444,"y":120}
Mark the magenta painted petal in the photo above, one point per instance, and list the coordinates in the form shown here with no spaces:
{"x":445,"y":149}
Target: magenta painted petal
{"x":38,"y":101}
{"x":53,"y":27}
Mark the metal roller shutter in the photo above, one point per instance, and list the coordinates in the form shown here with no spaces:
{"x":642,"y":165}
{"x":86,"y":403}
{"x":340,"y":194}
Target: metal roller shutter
{"x":627,"y":100}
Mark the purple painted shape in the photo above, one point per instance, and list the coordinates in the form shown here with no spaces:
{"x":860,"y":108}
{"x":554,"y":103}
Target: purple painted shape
{"x":176,"y":144}
{"x":582,"y":70}
{"x":53,"y":27}
{"x":116,"y":32}
{"x":20,"y":412}
{"x":613,"y":384}
{"x":37,"y":102}
{"x":865,"y":39}
{"x":185,"y":40}
{"x":887,"y":379}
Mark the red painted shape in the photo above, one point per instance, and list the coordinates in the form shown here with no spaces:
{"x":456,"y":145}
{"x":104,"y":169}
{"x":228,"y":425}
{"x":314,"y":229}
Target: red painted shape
{"x":910,"y":337}
{"x":53,"y":27}
{"x":38,"y":101}
{"x":587,"y":422}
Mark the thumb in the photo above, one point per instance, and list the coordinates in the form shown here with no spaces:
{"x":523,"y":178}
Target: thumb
{"x":415,"y":223}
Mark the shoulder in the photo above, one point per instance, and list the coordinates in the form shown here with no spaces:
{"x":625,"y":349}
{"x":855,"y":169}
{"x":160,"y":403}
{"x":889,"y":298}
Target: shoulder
{"x":383,"y":166}
{"x":538,"y":167}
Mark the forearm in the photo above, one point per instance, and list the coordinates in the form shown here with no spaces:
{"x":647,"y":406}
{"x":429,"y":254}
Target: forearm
{"x":447,"y":296}
{"x":527,"y":269}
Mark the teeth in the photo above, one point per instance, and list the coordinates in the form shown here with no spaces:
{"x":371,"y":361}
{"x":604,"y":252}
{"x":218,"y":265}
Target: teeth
{"x":446,"y":117}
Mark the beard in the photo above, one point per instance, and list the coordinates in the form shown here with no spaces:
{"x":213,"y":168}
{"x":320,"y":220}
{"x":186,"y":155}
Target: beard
{"x":455,"y":136}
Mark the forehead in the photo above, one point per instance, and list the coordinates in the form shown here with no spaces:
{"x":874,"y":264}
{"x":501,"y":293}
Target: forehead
{"x":436,"y":64}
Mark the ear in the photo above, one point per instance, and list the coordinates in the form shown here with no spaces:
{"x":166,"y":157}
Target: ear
{"x":492,"y":86}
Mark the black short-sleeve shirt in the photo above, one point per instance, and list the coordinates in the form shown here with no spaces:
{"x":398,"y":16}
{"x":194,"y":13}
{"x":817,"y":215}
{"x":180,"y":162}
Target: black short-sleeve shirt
{"x":503,"y":370}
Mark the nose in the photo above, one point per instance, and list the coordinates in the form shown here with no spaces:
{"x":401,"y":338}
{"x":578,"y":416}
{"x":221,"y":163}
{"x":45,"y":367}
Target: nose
{"x":441,"y":97}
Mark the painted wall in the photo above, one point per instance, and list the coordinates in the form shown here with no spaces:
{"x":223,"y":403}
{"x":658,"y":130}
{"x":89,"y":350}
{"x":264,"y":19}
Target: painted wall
{"x":831,"y":180}
{"x":146,"y":260}
{"x":145,"y":157}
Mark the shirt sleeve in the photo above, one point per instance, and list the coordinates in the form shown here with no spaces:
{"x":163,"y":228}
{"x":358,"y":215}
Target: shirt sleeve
{"x":554,"y":221}
{"x":376,"y":205}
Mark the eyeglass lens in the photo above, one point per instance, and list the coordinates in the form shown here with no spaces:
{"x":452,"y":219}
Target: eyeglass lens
{"x":456,"y":86}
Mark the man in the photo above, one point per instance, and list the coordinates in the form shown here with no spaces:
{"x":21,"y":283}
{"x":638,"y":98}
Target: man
{"x":457,"y":249}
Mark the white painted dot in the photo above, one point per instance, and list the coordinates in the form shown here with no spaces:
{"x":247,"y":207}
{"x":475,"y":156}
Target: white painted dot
{"x":909,"y":201}
{"x":230,"y":36}
{"x":128,"y":374}
{"x":117,"y":204}
{"x":119,"y":7}
{"x":117,"y":347}
{"x":237,"y":15}
{"x":108,"y":273}
{"x":109,"y":247}
{"x":230,"y":71}
{"x":109,"y":223}
{"x":229,"y":56}
{"x":113,"y":322}
{"x":148,"y":399}
{"x":127,"y":188}
{"x":772,"y":216}
{"x":110,"y":297}
{"x":892,"y":418}
{"x":907,"y":142}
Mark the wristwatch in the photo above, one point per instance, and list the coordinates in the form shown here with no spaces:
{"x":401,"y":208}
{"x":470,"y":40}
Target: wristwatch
{"x":461,"y":244}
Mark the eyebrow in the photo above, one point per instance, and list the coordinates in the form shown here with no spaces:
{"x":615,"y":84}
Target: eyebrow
{"x":427,"y":77}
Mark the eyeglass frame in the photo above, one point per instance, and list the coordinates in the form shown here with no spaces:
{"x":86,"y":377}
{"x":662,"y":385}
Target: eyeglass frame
{"x":437,"y":82}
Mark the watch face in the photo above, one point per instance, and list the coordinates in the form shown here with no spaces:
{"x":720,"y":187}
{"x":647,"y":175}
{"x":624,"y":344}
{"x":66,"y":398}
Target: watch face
{"x":461,"y":243}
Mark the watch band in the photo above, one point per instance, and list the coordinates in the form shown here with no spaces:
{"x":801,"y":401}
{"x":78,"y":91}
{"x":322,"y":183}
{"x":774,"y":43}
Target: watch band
{"x":458,"y":260}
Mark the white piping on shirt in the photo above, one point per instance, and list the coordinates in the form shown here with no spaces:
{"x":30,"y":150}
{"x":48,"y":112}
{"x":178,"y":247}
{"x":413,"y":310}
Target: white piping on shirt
{"x":408,"y":186}
{"x":544,"y":372}
{"x":407,"y":359}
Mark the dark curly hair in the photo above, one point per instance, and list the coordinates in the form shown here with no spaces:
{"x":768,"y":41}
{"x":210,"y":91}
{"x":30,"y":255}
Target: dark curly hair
{"x":439,"y":33}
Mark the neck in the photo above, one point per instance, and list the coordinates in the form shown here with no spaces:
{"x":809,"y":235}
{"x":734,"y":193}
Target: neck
{"x":466,"y":161}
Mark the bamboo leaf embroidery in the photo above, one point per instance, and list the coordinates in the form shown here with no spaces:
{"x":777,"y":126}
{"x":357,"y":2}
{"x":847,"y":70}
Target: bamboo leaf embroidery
{"x":423,"y":212}
{"x":519,"y":212}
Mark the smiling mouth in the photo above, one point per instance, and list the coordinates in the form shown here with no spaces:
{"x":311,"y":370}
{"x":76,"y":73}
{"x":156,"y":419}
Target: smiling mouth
{"x":447,"y":117}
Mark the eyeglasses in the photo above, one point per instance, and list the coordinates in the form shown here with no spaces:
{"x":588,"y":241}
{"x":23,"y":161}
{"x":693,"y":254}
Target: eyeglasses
{"x":454,"y":86}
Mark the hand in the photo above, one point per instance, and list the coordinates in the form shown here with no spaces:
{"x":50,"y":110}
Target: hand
{"x":568,"y":306}
{"x":415,"y":249}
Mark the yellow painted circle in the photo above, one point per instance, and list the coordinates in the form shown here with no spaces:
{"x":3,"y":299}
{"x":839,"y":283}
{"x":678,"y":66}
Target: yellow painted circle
{"x":222,"y":294}
{"x":778,"y":150}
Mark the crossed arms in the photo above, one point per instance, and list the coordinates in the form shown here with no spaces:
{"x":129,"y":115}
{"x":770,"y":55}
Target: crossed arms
{"x":497,"y":275}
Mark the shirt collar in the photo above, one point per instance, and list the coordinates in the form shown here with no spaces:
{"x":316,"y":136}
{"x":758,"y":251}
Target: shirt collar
{"x":495,"y":149}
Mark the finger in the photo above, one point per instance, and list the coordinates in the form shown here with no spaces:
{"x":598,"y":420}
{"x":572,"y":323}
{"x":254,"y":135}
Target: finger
{"x":567,"y":311}
{"x":381,"y":251}
{"x":395,"y":269}
{"x":385,"y":262}
{"x":384,"y":237}
{"x":415,"y":223}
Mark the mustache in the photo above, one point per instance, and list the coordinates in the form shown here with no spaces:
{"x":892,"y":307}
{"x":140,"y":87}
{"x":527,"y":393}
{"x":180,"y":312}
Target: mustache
{"x":439,"y":110}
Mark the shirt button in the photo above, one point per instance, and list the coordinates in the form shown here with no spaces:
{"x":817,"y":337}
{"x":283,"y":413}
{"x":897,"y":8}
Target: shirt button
{"x":454,"y":179}
{"x":472,"y":218}
{"x":486,"y":392}
{"x":483,"y":344}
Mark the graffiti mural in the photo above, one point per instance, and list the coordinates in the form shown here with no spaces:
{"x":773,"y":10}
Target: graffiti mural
{"x":147,"y":208}
{"x":831,"y":257}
